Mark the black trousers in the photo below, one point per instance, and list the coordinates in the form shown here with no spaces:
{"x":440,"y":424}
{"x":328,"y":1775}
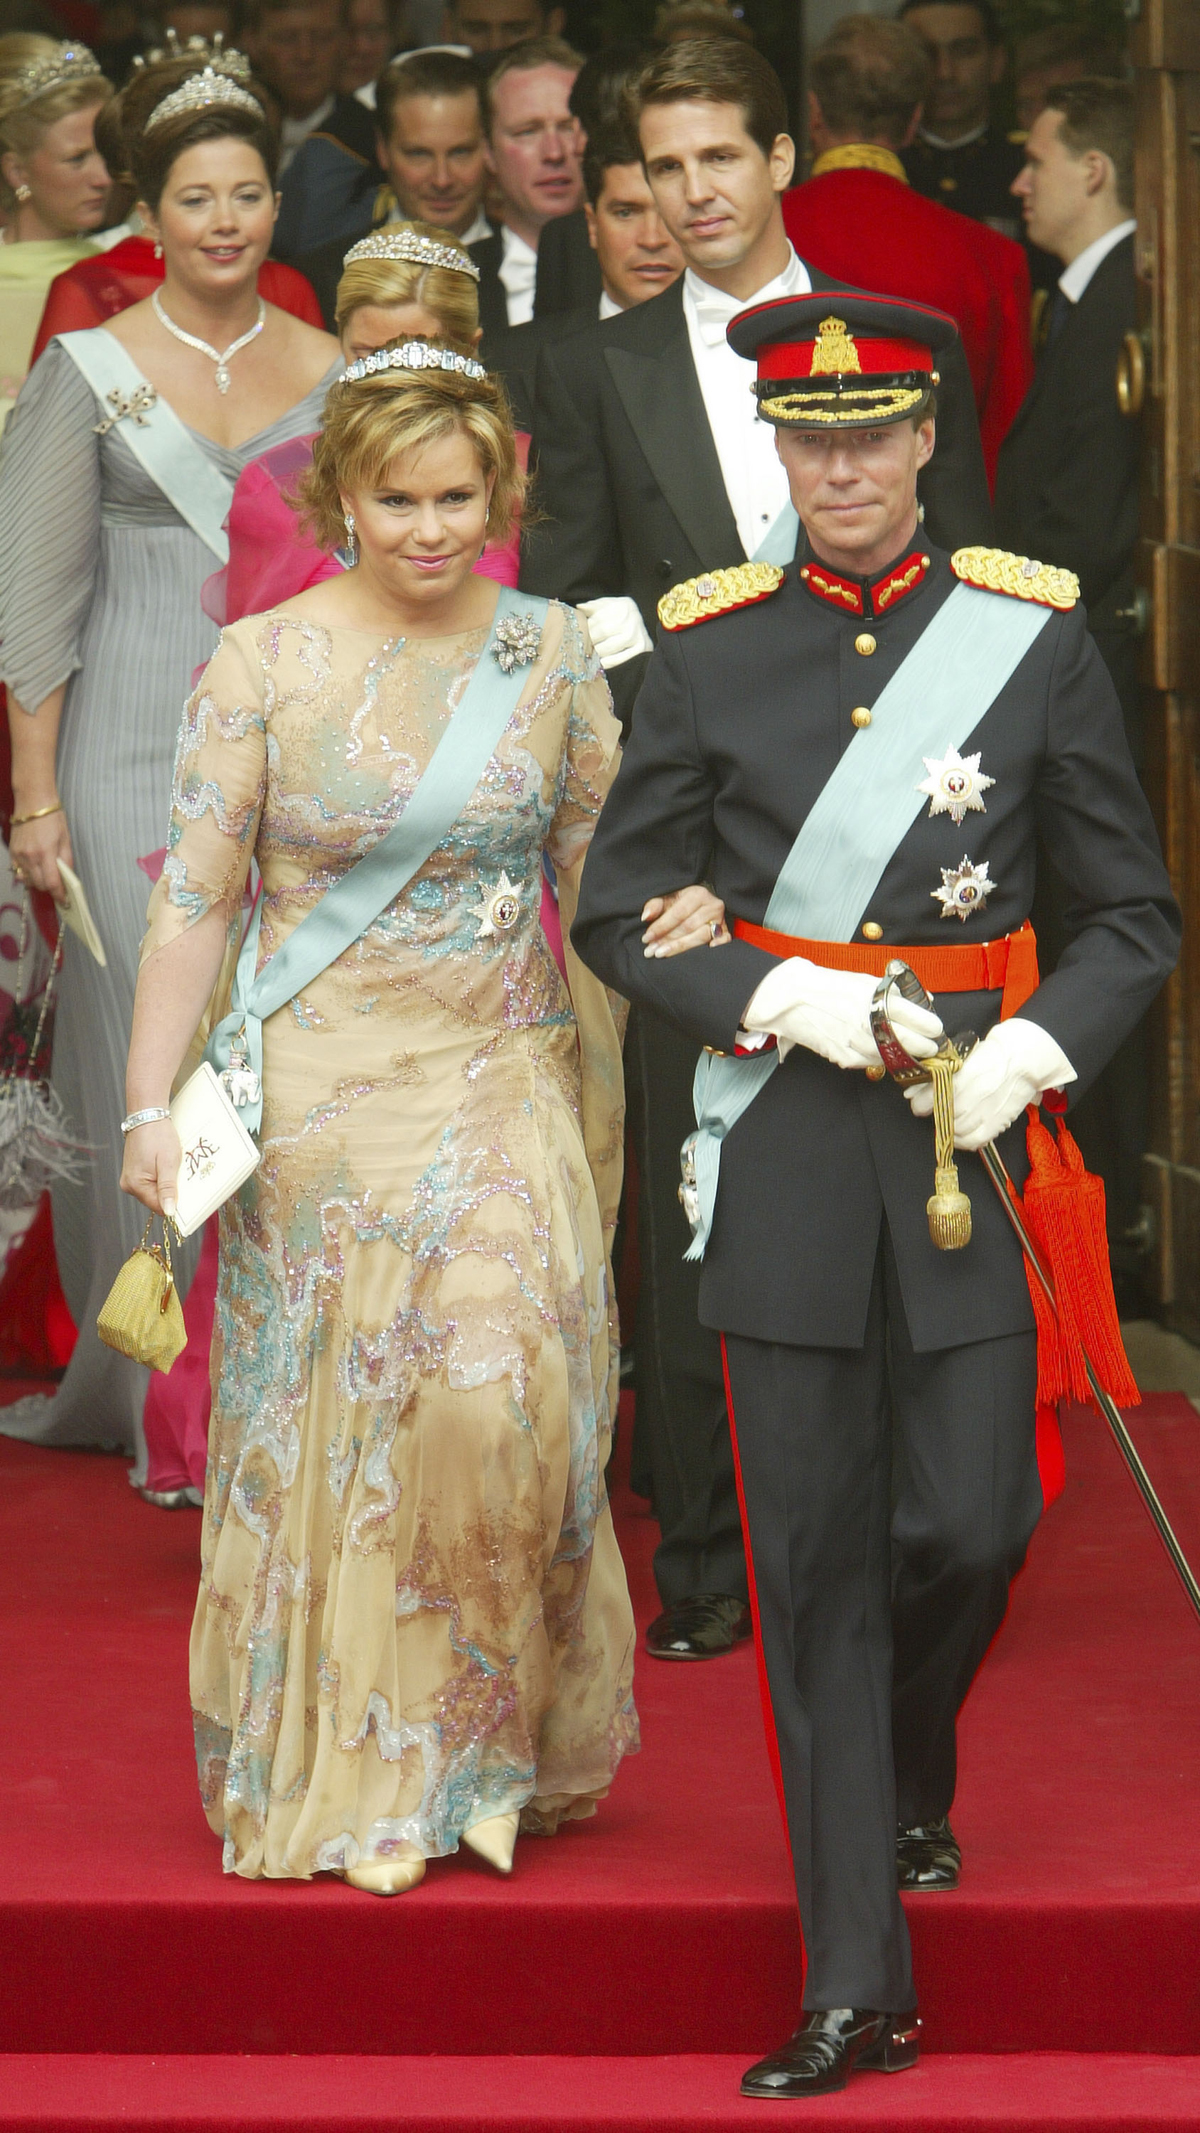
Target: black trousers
{"x":890,"y":1498}
{"x":681,"y":1440}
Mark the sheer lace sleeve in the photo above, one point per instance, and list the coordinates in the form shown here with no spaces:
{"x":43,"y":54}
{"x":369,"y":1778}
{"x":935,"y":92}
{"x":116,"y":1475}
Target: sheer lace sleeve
{"x":216,"y":798}
{"x":591,"y":751}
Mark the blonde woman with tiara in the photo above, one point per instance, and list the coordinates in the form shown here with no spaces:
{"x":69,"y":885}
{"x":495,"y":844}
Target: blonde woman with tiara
{"x":53,"y":182}
{"x":413,"y":1629}
{"x":406,"y":282}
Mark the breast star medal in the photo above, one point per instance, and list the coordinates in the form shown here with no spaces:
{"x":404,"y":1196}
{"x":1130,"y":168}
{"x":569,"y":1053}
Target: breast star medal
{"x":965,"y":889}
{"x":518,"y":641}
{"x":500,"y":910}
{"x":955,"y":784}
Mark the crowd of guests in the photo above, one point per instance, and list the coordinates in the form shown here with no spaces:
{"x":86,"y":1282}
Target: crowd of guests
{"x":460,"y":174}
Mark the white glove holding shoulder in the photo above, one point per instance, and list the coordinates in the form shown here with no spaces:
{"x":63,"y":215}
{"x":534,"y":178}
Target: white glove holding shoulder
{"x":1013,"y":1066}
{"x":616,"y":629}
{"x":829,"y":1012}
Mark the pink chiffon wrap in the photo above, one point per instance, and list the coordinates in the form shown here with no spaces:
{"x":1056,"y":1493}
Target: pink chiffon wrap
{"x":271,"y":555}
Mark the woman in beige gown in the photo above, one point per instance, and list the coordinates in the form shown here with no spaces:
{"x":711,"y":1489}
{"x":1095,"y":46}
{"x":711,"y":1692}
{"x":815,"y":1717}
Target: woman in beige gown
{"x":413,"y":1617}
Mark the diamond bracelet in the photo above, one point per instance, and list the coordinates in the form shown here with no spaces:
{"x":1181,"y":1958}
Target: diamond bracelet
{"x":148,"y":1117}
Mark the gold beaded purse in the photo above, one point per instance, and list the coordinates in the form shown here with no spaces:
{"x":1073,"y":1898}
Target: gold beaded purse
{"x":142,"y":1316}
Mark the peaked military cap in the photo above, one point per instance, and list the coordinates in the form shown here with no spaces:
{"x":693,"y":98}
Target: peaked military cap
{"x":840,"y":359}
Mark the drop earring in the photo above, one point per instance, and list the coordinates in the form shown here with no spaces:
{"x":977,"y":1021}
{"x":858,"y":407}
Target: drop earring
{"x":351,"y":543}
{"x":158,"y":251}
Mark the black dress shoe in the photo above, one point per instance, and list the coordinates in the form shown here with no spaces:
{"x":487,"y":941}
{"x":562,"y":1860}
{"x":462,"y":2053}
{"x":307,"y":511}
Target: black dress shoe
{"x":928,"y":1857}
{"x":827,"y":2048}
{"x":701,"y":1628}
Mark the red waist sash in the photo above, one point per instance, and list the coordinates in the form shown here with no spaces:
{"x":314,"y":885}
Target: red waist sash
{"x":1008,"y":966}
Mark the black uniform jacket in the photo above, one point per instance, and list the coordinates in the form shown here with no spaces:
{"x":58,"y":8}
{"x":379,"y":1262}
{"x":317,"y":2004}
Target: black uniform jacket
{"x":629,"y":484}
{"x":741,"y":721}
{"x":1067,"y":480}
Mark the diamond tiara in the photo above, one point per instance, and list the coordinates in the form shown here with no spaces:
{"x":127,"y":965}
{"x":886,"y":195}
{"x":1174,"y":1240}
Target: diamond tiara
{"x":409,"y":244}
{"x":67,"y":63}
{"x":200,"y":91}
{"x":412,"y":355}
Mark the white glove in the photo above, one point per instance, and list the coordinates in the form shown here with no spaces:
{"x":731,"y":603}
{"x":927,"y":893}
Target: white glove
{"x":1013,"y":1066}
{"x":829,"y":1011}
{"x":616,"y":629}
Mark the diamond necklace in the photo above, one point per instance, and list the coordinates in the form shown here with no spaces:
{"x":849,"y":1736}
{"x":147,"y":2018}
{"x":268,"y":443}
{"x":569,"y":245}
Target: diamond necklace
{"x":192,"y":340}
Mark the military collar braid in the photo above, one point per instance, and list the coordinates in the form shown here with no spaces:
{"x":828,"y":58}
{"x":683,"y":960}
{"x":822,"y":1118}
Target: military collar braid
{"x":877,"y":594}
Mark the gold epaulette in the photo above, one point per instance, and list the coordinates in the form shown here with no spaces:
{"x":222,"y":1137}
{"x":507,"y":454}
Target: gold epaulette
{"x":716,"y":592}
{"x":995,"y":570}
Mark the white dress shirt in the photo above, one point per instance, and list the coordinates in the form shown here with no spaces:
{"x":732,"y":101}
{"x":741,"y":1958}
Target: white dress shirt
{"x":1074,"y":279}
{"x":755,"y":483}
{"x":609,"y":308}
{"x":518,"y":272}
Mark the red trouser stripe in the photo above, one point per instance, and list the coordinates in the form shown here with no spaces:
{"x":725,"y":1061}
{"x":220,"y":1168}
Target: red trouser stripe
{"x":764,"y":1686}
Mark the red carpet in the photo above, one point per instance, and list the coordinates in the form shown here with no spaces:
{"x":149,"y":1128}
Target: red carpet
{"x":665,"y":1927}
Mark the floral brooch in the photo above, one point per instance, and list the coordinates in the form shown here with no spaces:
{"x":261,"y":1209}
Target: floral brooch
{"x":518,"y":641}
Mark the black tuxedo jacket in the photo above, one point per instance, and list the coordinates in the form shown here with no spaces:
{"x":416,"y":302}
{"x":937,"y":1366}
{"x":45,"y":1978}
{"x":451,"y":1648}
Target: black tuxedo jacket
{"x":488,"y":254}
{"x":1067,"y":478}
{"x":514,"y":354}
{"x":628,"y":480}
{"x":740,"y":723}
{"x":568,"y":276}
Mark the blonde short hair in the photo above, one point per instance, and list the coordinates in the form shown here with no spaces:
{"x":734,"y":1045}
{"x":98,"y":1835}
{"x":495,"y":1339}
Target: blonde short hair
{"x":22,"y":125}
{"x":370,"y":421}
{"x":453,"y":297}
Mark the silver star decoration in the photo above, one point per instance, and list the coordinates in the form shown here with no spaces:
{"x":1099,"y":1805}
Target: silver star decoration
{"x":965,"y":889}
{"x":518,"y":641}
{"x":500,"y":909}
{"x":955,"y":784}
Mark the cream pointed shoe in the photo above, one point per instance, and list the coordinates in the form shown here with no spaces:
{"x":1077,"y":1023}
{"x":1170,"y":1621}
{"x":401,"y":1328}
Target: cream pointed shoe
{"x":494,"y":1840}
{"x":387,"y":1876}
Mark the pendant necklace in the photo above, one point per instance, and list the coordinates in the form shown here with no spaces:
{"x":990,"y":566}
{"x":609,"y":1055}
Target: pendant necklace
{"x":192,"y":340}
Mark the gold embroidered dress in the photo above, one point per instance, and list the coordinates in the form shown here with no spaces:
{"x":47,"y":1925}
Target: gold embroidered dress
{"x":412,"y":1612}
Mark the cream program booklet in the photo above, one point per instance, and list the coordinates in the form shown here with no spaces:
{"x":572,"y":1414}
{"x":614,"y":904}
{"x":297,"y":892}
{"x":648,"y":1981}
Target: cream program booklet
{"x":218,"y":1153}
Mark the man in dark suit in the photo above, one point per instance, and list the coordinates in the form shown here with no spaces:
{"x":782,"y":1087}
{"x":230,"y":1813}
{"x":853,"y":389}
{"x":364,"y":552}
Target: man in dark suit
{"x":429,"y":120}
{"x":298,"y":46}
{"x":534,"y":149}
{"x":1066,"y":488}
{"x":652,"y":466}
{"x":1067,"y":491}
{"x":635,"y":258}
{"x":816,"y":740}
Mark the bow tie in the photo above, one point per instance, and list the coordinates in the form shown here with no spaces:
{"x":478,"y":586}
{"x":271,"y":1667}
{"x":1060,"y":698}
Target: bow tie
{"x":713,"y":313}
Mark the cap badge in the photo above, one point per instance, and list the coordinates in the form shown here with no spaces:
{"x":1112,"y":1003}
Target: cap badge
{"x":834,"y":350}
{"x":955,"y":784}
{"x":965,"y":889}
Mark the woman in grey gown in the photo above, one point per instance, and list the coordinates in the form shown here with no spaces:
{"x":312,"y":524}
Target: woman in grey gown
{"x":117,"y":470}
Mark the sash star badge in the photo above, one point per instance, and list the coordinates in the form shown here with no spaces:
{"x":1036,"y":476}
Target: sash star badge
{"x":955,"y":784}
{"x":965,"y":889}
{"x":499,"y":911}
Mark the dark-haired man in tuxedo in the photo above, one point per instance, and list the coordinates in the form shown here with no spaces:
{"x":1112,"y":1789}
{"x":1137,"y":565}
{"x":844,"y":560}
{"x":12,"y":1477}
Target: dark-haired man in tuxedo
{"x":653,"y":466}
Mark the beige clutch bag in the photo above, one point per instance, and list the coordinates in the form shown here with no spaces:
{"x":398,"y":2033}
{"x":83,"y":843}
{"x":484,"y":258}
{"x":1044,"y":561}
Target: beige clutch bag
{"x":218,"y":1154}
{"x":142,"y":1315}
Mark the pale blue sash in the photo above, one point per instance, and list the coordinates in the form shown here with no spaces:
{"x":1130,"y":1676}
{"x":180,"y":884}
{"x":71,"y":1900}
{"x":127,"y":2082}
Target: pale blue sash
{"x":778,"y":544}
{"x":934,"y":701}
{"x":166,"y":448}
{"x":366,"y":889}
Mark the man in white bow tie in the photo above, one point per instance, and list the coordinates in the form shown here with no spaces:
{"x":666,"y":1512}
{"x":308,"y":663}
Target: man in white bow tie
{"x":653,"y":466}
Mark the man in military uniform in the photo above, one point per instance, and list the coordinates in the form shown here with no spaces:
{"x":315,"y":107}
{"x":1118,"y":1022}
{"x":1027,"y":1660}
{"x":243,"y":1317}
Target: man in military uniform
{"x":855,"y":752}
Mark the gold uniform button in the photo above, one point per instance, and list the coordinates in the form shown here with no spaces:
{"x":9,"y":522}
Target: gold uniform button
{"x":876,"y":1073}
{"x":872,"y":932}
{"x":865,"y":644}
{"x":860,"y":716}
